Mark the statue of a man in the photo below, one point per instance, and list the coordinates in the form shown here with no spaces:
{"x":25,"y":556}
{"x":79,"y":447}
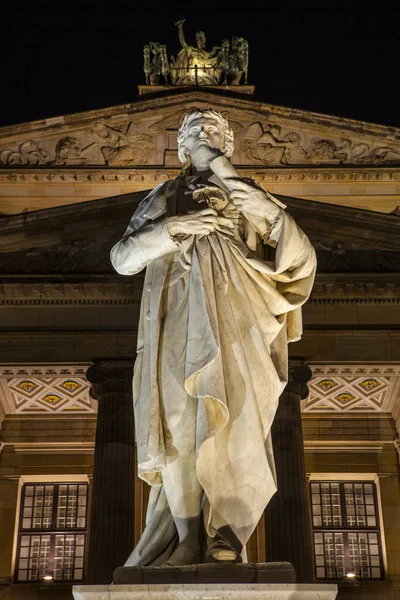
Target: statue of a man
{"x":227,"y":273}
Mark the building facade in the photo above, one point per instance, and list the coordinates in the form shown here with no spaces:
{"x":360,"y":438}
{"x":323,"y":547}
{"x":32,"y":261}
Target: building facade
{"x":68,"y":325}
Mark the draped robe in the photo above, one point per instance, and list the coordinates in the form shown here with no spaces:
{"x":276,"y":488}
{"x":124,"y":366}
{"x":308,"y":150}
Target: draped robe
{"x":232,"y":301}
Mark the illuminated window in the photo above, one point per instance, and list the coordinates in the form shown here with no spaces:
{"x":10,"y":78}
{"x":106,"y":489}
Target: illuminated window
{"x":346,"y":530}
{"x":52,"y":532}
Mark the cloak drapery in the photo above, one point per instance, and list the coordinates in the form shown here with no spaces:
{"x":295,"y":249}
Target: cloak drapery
{"x":242,"y":296}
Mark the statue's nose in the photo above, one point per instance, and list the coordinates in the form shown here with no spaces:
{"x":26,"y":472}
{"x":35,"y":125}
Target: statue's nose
{"x":202,"y":133}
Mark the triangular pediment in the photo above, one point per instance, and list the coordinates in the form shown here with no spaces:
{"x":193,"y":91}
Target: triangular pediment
{"x":143,"y":134}
{"x":78,"y":238}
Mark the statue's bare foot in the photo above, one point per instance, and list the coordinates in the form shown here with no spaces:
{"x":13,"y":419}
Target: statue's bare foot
{"x":185,"y":554}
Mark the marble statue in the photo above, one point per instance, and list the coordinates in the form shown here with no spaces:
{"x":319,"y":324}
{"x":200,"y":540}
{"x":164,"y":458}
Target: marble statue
{"x":227,"y":273}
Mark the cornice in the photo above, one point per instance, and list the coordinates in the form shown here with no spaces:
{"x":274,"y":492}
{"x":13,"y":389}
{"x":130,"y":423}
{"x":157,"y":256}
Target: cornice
{"x":353,"y":289}
{"x":42,"y":290}
{"x":153,"y":175}
{"x":19,"y":292}
{"x":347,"y":446}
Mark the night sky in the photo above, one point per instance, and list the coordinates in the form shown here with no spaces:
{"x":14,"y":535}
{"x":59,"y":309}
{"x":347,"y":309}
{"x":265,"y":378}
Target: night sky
{"x":61,"y":57}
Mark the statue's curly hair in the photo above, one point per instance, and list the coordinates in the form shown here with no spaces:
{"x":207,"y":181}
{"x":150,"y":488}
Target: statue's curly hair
{"x":197,"y":113}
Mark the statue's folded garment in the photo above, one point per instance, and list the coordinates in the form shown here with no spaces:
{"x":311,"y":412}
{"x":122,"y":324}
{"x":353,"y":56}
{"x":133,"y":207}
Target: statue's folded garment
{"x":217,"y":313}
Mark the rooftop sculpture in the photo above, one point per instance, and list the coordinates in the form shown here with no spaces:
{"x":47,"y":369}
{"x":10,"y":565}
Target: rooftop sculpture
{"x":226,"y":64}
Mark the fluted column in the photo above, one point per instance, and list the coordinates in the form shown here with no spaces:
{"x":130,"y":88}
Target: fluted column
{"x":111,"y":526}
{"x":288,"y":535}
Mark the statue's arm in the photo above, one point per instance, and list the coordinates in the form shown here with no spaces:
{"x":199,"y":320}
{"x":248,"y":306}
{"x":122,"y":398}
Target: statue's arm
{"x":139,"y":248}
{"x":295,"y":259}
{"x":181,"y":36}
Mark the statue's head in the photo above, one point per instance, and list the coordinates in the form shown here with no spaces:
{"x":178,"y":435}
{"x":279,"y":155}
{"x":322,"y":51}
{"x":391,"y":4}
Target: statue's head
{"x":204,"y":132}
{"x":201,"y":39}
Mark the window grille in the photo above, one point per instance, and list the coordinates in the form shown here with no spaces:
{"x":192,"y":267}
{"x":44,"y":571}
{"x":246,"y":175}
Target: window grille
{"x":346,"y":531}
{"x":52,"y":532}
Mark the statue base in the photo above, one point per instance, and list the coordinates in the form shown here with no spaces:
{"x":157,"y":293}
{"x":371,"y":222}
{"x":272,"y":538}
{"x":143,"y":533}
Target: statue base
{"x":276,"y":572}
{"x":216,"y":591}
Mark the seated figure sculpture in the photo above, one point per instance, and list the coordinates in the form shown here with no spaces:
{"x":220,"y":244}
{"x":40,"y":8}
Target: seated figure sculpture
{"x":227,"y":273}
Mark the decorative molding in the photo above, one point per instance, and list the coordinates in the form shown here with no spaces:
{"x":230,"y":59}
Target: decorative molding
{"x":344,"y":476}
{"x":55,"y":478}
{"x":348,"y":447}
{"x":51,"y":448}
{"x":45,"y":370}
{"x":148,"y":177}
{"x":39,"y":389}
{"x":356,"y":289}
{"x":42,"y":291}
{"x":353,"y":388}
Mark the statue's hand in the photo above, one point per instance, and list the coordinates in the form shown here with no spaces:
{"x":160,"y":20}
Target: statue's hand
{"x":252,"y":200}
{"x":201,"y":222}
{"x":181,"y":22}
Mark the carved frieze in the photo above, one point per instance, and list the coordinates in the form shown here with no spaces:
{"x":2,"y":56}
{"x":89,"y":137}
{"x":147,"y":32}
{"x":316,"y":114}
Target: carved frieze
{"x":271,"y":144}
{"x":122,"y":145}
{"x":267,"y":136}
{"x":26,"y":153}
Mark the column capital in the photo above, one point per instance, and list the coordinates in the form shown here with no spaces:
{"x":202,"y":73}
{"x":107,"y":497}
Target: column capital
{"x":299,"y":375}
{"x":110,"y":376}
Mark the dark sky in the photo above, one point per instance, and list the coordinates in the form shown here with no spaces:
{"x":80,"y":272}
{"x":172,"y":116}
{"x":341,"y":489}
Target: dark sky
{"x":65,"y":56}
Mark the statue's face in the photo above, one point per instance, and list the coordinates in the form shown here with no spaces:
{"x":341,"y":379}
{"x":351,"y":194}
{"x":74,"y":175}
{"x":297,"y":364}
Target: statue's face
{"x":204,"y":139}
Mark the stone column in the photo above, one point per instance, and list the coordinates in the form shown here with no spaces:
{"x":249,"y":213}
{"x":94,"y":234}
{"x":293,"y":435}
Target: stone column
{"x":288,"y":536}
{"x":111,"y":524}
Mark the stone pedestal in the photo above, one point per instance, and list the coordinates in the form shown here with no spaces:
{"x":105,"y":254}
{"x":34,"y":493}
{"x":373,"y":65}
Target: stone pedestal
{"x":214,"y":591}
{"x":288,"y":536}
{"x":207,"y":573}
{"x":111,"y":527}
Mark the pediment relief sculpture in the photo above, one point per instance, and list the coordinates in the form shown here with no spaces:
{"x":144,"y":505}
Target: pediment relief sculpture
{"x":122,"y":148}
{"x":274,"y":145}
{"x":120,"y":141}
{"x":26,"y":153}
{"x":118,"y":146}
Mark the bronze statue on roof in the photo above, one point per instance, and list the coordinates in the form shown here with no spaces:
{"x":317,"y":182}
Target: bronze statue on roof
{"x":226,"y":64}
